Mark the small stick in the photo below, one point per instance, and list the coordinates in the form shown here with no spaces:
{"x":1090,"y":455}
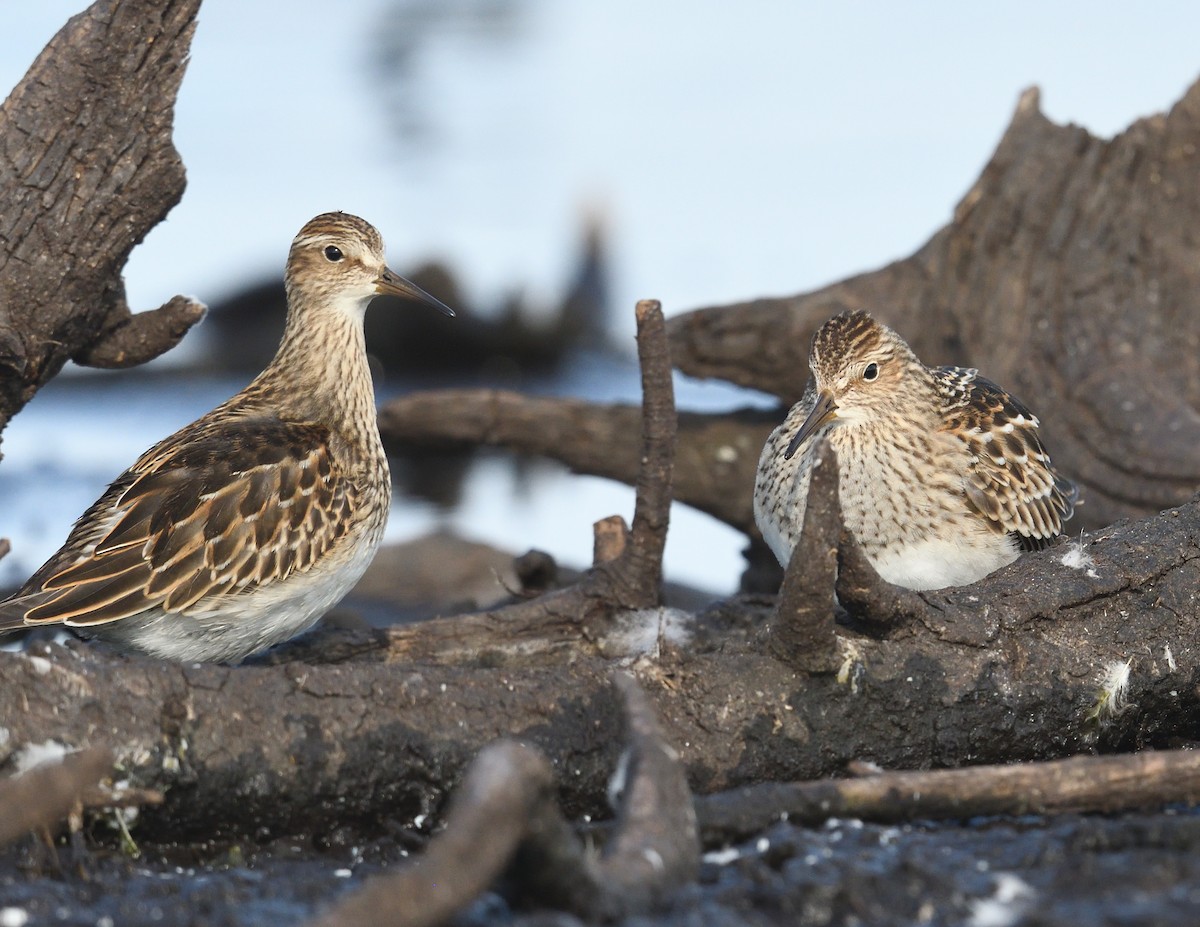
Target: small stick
{"x":1079,"y":784}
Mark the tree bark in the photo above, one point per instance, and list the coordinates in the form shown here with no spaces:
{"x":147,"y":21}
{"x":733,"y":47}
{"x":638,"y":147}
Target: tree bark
{"x":87,"y":169}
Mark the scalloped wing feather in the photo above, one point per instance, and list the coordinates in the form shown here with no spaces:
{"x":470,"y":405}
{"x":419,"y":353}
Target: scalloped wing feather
{"x":1012,"y":481}
{"x":240,"y":502}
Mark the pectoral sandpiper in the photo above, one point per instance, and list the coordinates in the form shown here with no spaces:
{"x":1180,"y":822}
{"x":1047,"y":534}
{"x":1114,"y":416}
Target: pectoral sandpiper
{"x":240,"y":530}
{"x":942,"y":476}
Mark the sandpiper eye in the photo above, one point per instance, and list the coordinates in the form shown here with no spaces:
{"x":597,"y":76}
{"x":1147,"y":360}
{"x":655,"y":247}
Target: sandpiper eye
{"x":871,"y":371}
{"x":333,"y":254}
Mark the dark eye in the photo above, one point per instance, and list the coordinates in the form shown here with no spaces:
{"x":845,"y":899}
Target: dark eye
{"x":871,"y":371}
{"x":333,"y":254}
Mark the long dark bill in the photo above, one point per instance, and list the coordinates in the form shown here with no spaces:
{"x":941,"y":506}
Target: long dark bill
{"x":391,"y":283}
{"x":824,"y":411}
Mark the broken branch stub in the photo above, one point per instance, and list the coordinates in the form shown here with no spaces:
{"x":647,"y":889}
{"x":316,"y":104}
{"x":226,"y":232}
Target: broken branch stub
{"x":802,"y":631}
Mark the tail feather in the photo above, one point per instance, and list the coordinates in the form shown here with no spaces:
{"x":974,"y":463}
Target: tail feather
{"x":14,"y":610}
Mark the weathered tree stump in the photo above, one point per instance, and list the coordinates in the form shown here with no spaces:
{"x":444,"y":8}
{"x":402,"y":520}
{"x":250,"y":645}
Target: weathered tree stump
{"x":87,"y":169}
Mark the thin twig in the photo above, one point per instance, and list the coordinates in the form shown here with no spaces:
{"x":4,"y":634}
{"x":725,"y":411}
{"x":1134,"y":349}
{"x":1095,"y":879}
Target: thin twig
{"x":1079,"y":784}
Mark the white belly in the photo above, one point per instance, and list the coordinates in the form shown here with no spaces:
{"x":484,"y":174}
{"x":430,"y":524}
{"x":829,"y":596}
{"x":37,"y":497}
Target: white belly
{"x":244,"y":624}
{"x":936,"y":563}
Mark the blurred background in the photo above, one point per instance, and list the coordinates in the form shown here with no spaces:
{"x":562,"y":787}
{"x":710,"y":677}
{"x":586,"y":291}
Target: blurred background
{"x":544,"y":165}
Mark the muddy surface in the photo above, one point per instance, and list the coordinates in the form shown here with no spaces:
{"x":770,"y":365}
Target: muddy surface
{"x":1071,"y":870}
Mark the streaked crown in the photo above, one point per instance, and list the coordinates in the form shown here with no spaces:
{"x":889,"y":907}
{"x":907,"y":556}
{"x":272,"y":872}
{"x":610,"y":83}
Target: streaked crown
{"x":335,"y":254}
{"x":337,"y":261}
{"x":860,"y":362}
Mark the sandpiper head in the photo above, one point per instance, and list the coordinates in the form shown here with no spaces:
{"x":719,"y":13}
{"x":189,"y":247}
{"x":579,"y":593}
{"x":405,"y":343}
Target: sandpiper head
{"x":861,"y":369}
{"x":338,"y":259}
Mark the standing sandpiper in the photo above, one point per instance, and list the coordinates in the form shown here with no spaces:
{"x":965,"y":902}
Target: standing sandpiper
{"x":240,"y":530}
{"x":941,"y":474}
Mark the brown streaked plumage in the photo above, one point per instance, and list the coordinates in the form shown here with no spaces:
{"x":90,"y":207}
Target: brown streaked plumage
{"x":942,"y":475}
{"x":241,"y":529}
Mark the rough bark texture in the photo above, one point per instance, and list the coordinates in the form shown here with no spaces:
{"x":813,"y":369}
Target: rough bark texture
{"x":87,"y":169}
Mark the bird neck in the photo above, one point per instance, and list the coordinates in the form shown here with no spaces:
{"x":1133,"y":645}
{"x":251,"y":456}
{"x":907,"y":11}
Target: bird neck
{"x":321,"y":370}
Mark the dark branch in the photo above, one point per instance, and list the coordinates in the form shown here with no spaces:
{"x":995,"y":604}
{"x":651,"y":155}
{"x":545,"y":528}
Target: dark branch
{"x":504,"y":815}
{"x":138,"y":338}
{"x":485,"y":822}
{"x":715,"y":452}
{"x":1096,"y":784}
{"x":640,"y":564}
{"x":87,"y":169}
{"x":656,"y":849}
{"x":801,"y":631}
